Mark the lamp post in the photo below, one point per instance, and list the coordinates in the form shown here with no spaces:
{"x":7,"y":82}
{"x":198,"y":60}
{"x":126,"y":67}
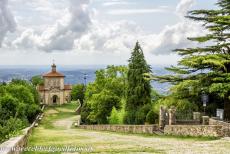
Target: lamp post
{"x":205,"y":100}
{"x":85,"y":78}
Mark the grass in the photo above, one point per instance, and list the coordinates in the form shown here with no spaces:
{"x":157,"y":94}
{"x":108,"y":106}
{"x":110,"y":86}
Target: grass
{"x":54,"y":113}
{"x":49,"y":133}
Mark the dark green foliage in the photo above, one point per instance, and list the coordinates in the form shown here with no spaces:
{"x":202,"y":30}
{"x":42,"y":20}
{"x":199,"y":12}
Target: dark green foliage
{"x":104,"y":94}
{"x":78,"y":92}
{"x":18,"y":105}
{"x":142,"y":113}
{"x":117,"y":115}
{"x":138,"y":89}
{"x":102,"y":105}
{"x":8,"y":108}
{"x":10,"y":128}
{"x":151,"y":117}
{"x":85,"y":111}
{"x":37,"y":80}
{"x":205,"y":68}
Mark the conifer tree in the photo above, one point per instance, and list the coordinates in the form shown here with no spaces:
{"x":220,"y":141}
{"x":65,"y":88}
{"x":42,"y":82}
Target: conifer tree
{"x":205,"y":68}
{"x":138,"y":90}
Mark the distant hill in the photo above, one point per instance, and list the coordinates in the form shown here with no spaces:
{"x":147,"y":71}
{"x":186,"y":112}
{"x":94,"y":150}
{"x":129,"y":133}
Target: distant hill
{"x":74,"y":74}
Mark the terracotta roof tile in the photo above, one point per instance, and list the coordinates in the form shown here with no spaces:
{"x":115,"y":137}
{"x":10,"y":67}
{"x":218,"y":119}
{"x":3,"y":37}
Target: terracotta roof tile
{"x":68,"y":87}
{"x":41,"y":87}
{"x":54,"y":74}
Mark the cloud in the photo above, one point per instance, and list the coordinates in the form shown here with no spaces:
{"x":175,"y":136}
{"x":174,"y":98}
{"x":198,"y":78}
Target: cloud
{"x":112,"y":3}
{"x":61,"y":35}
{"x":183,"y":7}
{"x":175,"y":36}
{"x":77,"y":31}
{"x":7,"y":22}
{"x":136,"y":11}
{"x":120,"y":37}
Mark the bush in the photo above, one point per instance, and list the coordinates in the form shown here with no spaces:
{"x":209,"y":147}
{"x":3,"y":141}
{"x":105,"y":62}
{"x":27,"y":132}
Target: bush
{"x":78,"y":92}
{"x":141,"y":114}
{"x":116,"y":116}
{"x":11,"y":128}
{"x":85,"y":111}
{"x":152,"y":118}
{"x":129,"y":117}
{"x":19,"y":104}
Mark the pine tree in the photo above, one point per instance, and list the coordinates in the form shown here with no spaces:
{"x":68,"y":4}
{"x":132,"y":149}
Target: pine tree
{"x":205,"y":68}
{"x":138,"y":90}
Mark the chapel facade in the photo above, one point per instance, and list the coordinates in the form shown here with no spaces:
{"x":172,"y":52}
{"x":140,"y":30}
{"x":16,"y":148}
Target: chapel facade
{"x":54,"y":91}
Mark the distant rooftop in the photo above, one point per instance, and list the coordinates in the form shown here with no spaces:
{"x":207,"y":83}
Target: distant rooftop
{"x":54,"y":72}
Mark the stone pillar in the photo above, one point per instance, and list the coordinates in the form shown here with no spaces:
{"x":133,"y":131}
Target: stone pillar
{"x":162,"y":117}
{"x":205,"y":120}
{"x":196,"y":116}
{"x":78,"y":122}
{"x":172,"y":116}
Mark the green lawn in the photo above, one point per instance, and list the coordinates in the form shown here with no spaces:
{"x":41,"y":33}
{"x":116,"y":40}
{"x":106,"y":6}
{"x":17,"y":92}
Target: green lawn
{"x":56,"y":130}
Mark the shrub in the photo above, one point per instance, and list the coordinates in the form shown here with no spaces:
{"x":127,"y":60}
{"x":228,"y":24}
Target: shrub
{"x":141,"y":114}
{"x":11,"y":128}
{"x":152,"y":117}
{"x":114,"y":117}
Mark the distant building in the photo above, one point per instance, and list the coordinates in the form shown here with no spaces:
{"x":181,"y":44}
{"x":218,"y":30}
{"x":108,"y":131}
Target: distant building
{"x":54,"y":91}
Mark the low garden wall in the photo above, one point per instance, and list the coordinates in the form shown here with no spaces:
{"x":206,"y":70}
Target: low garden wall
{"x":187,"y":122}
{"x":194,"y":130}
{"x":148,"y":129}
{"x":225,"y":126}
{"x":15,"y":145}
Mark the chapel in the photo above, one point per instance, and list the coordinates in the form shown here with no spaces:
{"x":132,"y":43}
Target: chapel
{"x":54,"y":91}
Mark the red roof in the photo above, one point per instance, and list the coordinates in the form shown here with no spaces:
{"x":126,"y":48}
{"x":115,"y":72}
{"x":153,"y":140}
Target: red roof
{"x":68,"y":87}
{"x":41,"y":87}
{"x":54,"y":74}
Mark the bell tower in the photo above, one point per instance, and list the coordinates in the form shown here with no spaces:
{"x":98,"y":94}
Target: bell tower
{"x":53,"y":68}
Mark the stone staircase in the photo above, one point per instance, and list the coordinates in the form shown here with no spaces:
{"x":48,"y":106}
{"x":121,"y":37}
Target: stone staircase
{"x":159,"y":132}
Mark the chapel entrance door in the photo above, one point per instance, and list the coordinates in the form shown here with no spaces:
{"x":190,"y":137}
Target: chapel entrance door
{"x":55,"y":99}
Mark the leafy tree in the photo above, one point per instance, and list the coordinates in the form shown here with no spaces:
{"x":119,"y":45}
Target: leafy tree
{"x":85,"y":111}
{"x":37,"y":80}
{"x":102,"y":105}
{"x":114,"y":119}
{"x":8,"y":108}
{"x":78,"y":92}
{"x":138,"y":89}
{"x":18,"y":106}
{"x":11,"y":128}
{"x":151,"y":117}
{"x":117,"y":116}
{"x":28,"y":86}
{"x":205,"y":68}
{"x":104,"y":93}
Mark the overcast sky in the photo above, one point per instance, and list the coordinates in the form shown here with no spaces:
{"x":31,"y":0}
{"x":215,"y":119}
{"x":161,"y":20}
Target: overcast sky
{"x":76,"y":32}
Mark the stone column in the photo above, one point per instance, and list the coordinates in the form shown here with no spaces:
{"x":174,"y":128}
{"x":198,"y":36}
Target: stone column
{"x":205,"y":120}
{"x":172,"y":116}
{"x":162,"y":117}
{"x":196,"y":116}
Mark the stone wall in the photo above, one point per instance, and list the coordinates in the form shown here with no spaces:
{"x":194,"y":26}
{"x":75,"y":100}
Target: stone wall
{"x":187,"y":122}
{"x":13,"y":144}
{"x":148,"y":129}
{"x":194,"y":130}
{"x":225,"y":126}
